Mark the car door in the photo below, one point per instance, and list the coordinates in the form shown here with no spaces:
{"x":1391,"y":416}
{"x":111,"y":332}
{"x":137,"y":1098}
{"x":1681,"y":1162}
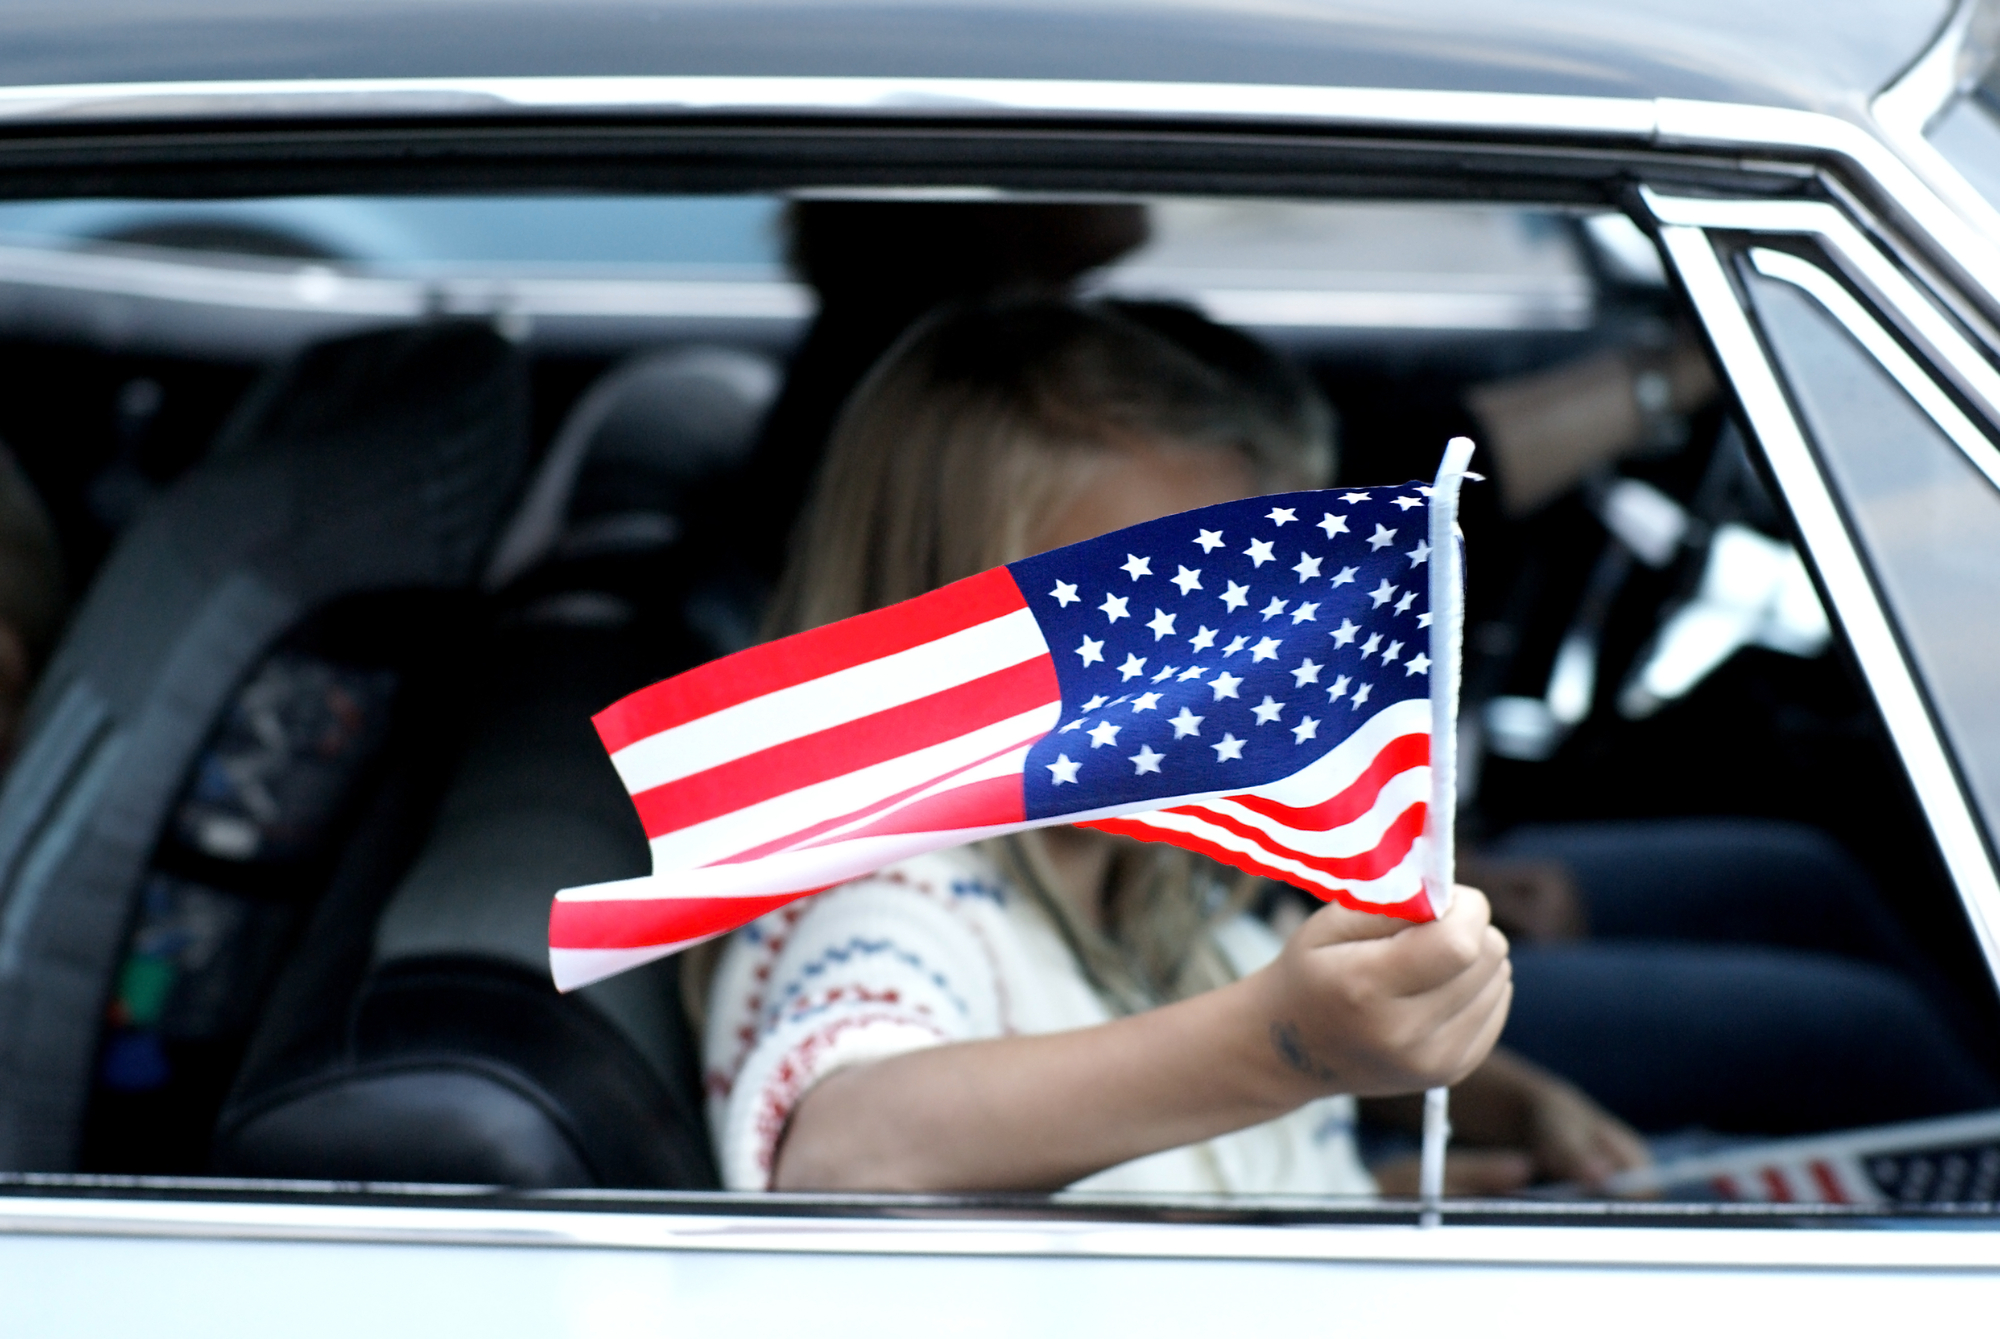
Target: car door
{"x":1854,"y":376}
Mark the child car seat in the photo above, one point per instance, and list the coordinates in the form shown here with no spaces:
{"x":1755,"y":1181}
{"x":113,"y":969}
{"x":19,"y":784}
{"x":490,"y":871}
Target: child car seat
{"x":379,"y":463}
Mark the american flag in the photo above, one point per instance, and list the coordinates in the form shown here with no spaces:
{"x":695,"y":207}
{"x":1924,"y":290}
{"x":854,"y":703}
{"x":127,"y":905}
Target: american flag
{"x":1948,"y":1160}
{"x":1265,"y":681}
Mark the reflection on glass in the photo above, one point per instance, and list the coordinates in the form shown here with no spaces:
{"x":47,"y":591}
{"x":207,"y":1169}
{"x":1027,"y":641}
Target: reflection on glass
{"x":1928,"y":520}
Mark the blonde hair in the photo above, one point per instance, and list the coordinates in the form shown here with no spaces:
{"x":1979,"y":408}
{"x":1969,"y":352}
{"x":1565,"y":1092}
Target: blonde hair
{"x":979,"y":423}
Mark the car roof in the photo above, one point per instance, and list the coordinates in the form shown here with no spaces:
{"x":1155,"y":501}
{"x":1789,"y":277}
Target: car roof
{"x":1828,"y":57}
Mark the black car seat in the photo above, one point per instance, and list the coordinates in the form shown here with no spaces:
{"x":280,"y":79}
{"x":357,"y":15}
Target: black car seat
{"x":209,"y":731}
{"x":455,"y":1060}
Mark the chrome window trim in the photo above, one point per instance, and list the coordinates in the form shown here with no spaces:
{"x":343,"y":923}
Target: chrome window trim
{"x":1843,"y":1247}
{"x":1861,"y":261}
{"x":1625,"y":118}
{"x":1842,"y":572}
{"x":1965,"y":233}
{"x":1869,"y":333}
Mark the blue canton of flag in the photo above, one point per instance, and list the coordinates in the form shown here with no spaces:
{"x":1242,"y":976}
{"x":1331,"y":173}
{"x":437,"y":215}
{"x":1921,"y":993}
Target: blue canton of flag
{"x":1227,"y":648}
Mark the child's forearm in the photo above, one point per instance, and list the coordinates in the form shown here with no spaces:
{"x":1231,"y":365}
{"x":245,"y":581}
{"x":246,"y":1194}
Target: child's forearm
{"x":1342,"y":1009}
{"x":1038,"y":1112}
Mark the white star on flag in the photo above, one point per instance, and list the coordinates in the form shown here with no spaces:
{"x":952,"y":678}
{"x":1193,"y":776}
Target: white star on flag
{"x":1333,"y":525}
{"x":1237,"y":645}
{"x":1104,"y":732}
{"x":1065,"y":594}
{"x":1279,"y":515}
{"x":1210,"y":540}
{"x":1187,"y":579}
{"x":1339,"y":689}
{"x":1092,"y":651}
{"x":1306,"y":673}
{"x":1304,"y":730}
{"x":1351,"y":498}
{"x":1306,"y":613}
{"x":1166,"y":672}
{"x":1395,"y":650}
{"x":1225,"y":685}
{"x":1405,"y":503}
{"x":1267,"y":710}
{"x":1266,"y":649}
{"x":1185,"y":724}
{"x":1193,"y":672}
{"x":1162,"y":624}
{"x":1345,"y":576}
{"x":1417,"y":664}
{"x":1145,"y":702}
{"x":1113,"y":607}
{"x":1403,"y":605}
{"x":1227,"y":748}
{"x":1136,"y":567}
{"x":1133,"y":667}
{"x":1383,"y":593}
{"x":1274,"y":608}
{"x":1259,"y":552}
{"x":1382,"y":538}
{"x":1361,"y":695}
{"x":1344,"y":634}
{"x":1202,"y":639}
{"x":1145,"y":760}
{"x":1423,"y":620}
{"x":1307,"y":567}
{"x":1062,"y":771}
{"x":1372,"y":645}
{"x":1095,"y":702}
{"x":1235,"y":597}
{"x":1420,"y":554}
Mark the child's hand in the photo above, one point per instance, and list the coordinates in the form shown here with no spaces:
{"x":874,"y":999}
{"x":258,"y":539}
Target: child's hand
{"x":1371,"y":1005}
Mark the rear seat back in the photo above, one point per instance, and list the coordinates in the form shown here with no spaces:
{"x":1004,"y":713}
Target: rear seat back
{"x":382,"y":462}
{"x":456,"y":1060}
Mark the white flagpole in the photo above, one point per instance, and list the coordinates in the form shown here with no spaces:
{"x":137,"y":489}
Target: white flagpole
{"x":1447,"y":605}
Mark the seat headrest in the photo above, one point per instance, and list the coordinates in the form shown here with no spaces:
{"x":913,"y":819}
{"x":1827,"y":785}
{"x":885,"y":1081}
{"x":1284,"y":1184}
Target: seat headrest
{"x":625,"y":455}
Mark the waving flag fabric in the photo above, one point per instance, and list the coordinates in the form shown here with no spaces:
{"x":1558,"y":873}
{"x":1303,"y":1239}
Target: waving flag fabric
{"x":1270,"y":682}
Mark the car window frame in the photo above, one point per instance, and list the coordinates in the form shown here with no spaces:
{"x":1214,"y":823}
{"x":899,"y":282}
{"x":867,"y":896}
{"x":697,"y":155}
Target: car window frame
{"x":1266,"y":1230}
{"x":1698,"y":234}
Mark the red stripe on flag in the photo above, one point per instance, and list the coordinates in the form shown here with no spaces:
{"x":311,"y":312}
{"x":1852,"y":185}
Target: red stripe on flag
{"x":808,"y":655}
{"x":847,"y":747}
{"x":1369,"y":865}
{"x":977,"y":804}
{"x":649,"y":922}
{"x":1417,"y":908}
{"x":1829,"y":1184}
{"x":1396,"y":757}
{"x":1775,"y":1185}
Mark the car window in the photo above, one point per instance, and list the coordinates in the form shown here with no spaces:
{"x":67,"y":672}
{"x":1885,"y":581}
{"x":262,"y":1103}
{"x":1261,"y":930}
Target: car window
{"x":1926,"y":504}
{"x":350,"y":512}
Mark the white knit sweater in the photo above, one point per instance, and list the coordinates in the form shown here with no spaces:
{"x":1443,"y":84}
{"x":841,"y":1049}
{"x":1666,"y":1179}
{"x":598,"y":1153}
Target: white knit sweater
{"x":939,"y":949}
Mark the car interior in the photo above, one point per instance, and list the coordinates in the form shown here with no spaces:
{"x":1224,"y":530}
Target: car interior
{"x":363,"y":505}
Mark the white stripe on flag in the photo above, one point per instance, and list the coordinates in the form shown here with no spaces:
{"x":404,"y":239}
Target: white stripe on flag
{"x":1350,"y":839}
{"x":1399,"y":884}
{"x":832,"y":699}
{"x":1336,"y":770}
{"x":740,"y":830}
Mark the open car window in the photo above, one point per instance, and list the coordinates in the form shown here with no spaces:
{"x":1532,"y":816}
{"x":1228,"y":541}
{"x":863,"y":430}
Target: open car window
{"x":365,"y":505}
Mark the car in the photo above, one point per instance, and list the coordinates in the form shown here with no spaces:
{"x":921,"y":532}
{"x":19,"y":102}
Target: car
{"x":398,"y":383}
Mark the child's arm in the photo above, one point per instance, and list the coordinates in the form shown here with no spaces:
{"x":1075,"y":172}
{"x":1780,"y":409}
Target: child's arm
{"x":1342,"y":1009}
